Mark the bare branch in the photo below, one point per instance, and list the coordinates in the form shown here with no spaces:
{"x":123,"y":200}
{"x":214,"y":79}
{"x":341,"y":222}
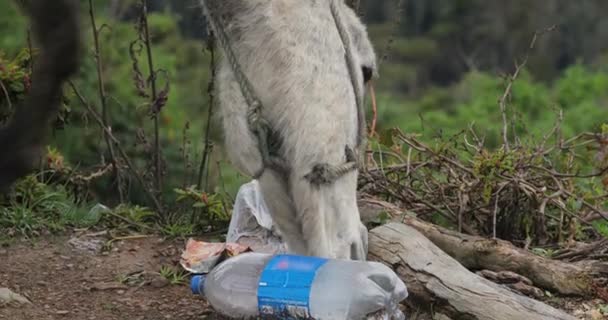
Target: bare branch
{"x":103,"y":99}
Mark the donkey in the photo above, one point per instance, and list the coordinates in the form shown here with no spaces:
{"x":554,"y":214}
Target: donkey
{"x":291,"y":59}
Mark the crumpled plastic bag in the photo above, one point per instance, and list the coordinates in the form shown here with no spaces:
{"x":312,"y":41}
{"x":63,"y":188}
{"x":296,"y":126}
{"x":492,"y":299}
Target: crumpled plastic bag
{"x":251,"y":229}
{"x":251,"y":223}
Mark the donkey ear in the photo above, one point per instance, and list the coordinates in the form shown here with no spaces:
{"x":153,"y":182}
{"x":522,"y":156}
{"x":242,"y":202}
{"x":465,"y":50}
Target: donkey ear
{"x":361,"y":42}
{"x":353,"y":4}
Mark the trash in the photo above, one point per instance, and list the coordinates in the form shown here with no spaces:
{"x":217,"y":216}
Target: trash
{"x":269,"y":282}
{"x":255,"y":284}
{"x":251,"y":229}
{"x":201,"y":257}
{"x":251,"y":223}
{"x":9,"y":297}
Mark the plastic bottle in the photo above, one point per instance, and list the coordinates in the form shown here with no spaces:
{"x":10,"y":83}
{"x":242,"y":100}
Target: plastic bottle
{"x":295,"y":287}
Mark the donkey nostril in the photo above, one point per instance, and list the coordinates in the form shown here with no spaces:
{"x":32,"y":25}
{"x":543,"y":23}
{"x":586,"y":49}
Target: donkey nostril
{"x":367,"y":73}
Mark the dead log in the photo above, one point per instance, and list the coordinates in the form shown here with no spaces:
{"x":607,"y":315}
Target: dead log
{"x":498,"y":255}
{"x":478,"y":253}
{"x":434,"y":278}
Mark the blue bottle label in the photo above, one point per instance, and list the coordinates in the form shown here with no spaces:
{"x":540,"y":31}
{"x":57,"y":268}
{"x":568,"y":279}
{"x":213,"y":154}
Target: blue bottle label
{"x":284,"y":286}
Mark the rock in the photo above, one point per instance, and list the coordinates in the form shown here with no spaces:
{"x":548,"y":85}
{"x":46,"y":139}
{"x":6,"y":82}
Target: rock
{"x":9,"y":297}
{"x":87,"y":245}
{"x":159,"y":282}
{"x":61,"y":312}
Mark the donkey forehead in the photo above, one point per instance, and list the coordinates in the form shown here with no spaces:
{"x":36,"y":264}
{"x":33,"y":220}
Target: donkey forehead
{"x":232,"y":9}
{"x":288,"y":38}
{"x":307,"y":23}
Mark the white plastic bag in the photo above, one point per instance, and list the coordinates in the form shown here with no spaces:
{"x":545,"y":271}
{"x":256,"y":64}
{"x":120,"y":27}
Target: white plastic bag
{"x":251,"y":228}
{"x":251,"y":223}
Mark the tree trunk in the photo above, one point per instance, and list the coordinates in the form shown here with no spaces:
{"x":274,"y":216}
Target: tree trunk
{"x":434,"y":278}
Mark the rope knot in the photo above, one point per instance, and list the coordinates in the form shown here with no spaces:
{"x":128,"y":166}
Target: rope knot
{"x":323,"y":173}
{"x":320,"y":174}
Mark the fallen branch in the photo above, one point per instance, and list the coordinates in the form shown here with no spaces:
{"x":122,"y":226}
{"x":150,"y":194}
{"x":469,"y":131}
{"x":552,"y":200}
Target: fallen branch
{"x":434,"y":278}
{"x":478,"y":253}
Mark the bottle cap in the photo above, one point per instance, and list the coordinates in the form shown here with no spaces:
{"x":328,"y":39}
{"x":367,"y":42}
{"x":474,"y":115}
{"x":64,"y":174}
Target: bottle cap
{"x":197,"y":283}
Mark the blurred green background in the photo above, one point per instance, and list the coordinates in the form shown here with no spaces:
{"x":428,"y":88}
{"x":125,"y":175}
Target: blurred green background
{"x":442,"y":67}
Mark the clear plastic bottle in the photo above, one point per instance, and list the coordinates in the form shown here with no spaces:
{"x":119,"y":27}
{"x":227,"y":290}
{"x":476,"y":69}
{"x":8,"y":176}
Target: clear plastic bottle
{"x":295,"y":287}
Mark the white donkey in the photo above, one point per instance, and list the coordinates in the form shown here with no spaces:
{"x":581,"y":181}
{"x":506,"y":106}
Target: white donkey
{"x":290,"y":90}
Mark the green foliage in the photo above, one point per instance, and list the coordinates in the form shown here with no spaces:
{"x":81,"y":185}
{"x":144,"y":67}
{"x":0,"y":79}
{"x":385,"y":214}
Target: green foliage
{"x":601,"y":227}
{"x":14,"y":27}
{"x":126,"y":218}
{"x":36,"y":207}
{"x":135,"y":213}
{"x":14,"y":82}
{"x":511,"y":191}
{"x":175,"y":277}
{"x":206,"y":212}
{"x":211,"y":204}
{"x":180,"y":229}
{"x":182,"y":70}
{"x":532,"y":107}
{"x":578,"y":84}
{"x":488,"y":166}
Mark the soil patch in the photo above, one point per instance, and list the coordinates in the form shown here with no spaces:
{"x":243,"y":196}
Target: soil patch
{"x":124,"y":283}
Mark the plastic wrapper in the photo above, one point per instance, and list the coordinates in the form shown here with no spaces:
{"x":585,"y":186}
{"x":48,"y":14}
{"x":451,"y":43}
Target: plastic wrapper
{"x":251,"y":223}
{"x":251,"y":229}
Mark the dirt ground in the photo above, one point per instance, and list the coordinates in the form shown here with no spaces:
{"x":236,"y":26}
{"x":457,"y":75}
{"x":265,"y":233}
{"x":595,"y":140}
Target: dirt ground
{"x":64,"y":280}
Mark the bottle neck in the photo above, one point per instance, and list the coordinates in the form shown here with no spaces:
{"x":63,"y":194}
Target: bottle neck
{"x":197,"y":284}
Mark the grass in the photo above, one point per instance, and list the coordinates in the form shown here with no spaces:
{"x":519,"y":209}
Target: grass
{"x":178,"y":230}
{"x":35,"y":207}
{"x":122,"y":278}
{"x":175,"y":277}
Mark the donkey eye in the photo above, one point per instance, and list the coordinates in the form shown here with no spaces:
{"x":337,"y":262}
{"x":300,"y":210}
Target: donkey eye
{"x":367,"y":73}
